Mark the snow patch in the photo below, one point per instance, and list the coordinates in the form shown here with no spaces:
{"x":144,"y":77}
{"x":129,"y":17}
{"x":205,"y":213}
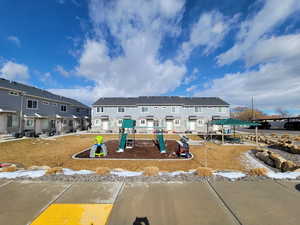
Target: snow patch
{"x":70,"y":172}
{"x":125,"y":173}
{"x":286,"y":175}
{"x":23,"y":173}
{"x":175,"y":173}
{"x":230,"y":175}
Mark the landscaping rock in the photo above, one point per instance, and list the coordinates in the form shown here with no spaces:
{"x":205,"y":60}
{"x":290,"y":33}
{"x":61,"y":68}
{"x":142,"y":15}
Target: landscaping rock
{"x":277,"y":159}
{"x":264,"y":156}
{"x":288,"y":166}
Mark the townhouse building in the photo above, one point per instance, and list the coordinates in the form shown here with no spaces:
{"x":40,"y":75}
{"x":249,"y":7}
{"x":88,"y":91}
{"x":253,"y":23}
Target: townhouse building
{"x":172,"y":113}
{"x":27,"y":108}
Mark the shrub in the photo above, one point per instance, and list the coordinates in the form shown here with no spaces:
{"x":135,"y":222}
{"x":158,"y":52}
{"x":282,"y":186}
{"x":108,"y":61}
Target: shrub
{"x":102,"y":170}
{"x":151,"y":171}
{"x":258,"y":172}
{"x":204,"y":171}
{"x":54,"y":170}
{"x":11,"y":168}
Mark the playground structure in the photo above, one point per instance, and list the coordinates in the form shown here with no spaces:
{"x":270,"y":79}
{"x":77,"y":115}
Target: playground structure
{"x":99,"y":149}
{"x":127,"y":136}
{"x":183,"y":148}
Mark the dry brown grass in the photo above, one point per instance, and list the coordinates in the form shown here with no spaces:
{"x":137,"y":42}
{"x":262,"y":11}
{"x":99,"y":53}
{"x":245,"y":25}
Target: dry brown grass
{"x":258,"y":172}
{"x":102,"y":170}
{"x":151,"y":171}
{"x":297,"y":138}
{"x":54,"y":170}
{"x":194,"y":137}
{"x":204,"y":171}
{"x":58,"y":153}
{"x":11,"y":168}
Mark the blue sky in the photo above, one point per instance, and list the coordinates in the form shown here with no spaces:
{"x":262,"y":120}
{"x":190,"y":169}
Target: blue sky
{"x":86,"y":49}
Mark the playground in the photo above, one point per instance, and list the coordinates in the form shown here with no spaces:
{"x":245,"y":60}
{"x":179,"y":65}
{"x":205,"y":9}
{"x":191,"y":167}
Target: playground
{"x":143,"y":149}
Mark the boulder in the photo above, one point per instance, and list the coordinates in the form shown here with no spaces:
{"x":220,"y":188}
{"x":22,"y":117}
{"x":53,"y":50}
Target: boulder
{"x":288,"y":166}
{"x":264,"y":156}
{"x":277,"y":159}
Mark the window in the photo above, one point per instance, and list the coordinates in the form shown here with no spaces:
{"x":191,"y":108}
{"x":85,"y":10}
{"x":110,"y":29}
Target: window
{"x":78,"y":110}
{"x":97,"y":122}
{"x":65,"y":122}
{"x":32,"y":104}
{"x":220,"y":109}
{"x":144,"y":109}
{"x":45,"y":103}
{"x":121,"y":109}
{"x":120,"y":122}
{"x":70,"y":123}
{"x":12,"y":121}
{"x":198,"y":109}
{"x":29,"y":123}
{"x":143,"y":122}
{"x":13,"y":93}
{"x":173,"y":109}
{"x":200,"y":122}
{"x":63,"y":108}
{"x":177,"y":122}
{"x":100,"y":109}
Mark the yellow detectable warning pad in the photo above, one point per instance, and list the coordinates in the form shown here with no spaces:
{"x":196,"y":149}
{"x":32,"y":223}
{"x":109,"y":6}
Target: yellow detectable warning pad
{"x":74,"y":214}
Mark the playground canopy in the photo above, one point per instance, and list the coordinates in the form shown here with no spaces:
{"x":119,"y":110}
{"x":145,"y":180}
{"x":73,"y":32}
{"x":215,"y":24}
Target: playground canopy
{"x":233,"y":122}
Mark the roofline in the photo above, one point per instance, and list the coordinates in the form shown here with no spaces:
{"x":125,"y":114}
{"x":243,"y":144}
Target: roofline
{"x":48,"y":99}
{"x":136,"y":105}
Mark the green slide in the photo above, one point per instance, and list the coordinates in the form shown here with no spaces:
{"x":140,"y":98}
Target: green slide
{"x":161,"y":143}
{"x":122,"y":144}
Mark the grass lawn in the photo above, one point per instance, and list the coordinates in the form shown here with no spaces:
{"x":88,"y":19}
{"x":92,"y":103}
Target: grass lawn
{"x":58,"y":152}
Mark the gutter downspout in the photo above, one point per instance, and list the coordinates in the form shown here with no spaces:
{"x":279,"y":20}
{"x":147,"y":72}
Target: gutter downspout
{"x":21,"y":113}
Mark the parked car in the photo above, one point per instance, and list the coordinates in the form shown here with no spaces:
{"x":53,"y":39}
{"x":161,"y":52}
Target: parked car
{"x":294,"y":125}
{"x":263,"y":125}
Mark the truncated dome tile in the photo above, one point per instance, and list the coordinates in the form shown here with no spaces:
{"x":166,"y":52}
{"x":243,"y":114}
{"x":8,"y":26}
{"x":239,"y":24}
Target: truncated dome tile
{"x":74,"y":214}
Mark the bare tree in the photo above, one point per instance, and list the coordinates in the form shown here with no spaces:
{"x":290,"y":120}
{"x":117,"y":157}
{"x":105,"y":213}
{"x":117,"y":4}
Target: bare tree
{"x":245,"y":113}
{"x":282,"y":112}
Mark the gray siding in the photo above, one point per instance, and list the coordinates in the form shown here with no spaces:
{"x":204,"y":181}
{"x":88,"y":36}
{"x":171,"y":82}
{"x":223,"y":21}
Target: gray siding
{"x":47,"y":112}
{"x":160,"y":113}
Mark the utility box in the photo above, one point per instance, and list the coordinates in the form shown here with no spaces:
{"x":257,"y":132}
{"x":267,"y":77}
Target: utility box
{"x":127,"y":123}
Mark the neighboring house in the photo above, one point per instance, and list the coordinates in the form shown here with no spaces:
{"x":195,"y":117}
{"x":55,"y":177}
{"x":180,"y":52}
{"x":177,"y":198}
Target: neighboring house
{"x":23,"y":107}
{"x":173,"y":113}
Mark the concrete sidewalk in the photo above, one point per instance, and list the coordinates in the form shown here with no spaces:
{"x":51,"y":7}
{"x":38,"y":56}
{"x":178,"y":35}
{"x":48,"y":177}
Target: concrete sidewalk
{"x":56,"y":203}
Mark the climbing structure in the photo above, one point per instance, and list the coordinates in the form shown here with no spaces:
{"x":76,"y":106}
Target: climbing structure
{"x":127,"y":135}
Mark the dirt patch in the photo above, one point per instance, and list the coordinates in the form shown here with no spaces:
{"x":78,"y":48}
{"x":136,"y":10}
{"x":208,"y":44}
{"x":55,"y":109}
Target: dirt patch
{"x":143,"y":149}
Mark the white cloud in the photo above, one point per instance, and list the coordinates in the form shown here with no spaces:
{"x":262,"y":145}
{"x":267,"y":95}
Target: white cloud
{"x":14,"y":40}
{"x":189,"y":78}
{"x":14,"y":71}
{"x":272,"y":85}
{"x":208,"y":32}
{"x":83,"y":94}
{"x":272,"y":14}
{"x":273,"y":49}
{"x":61,"y":70}
{"x":139,"y":30}
{"x":191,"y":88}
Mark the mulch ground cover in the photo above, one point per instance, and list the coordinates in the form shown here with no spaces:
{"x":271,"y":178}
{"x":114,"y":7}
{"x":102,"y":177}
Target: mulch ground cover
{"x":143,"y":149}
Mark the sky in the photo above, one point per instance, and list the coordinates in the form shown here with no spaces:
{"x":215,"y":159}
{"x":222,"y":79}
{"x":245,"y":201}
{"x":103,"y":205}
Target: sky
{"x":86,"y":49}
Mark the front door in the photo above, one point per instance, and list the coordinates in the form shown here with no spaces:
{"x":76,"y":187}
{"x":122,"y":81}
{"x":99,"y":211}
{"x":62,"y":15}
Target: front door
{"x":105,"y":124}
{"x":192,"y":125}
{"x":150,"y":124}
{"x":169,"y":125}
